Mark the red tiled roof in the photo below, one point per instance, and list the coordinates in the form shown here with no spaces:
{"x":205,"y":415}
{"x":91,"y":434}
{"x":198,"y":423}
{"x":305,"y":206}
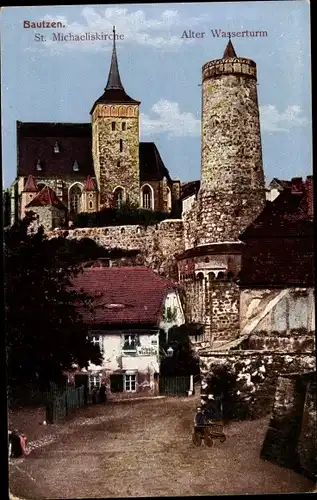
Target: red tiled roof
{"x":46,"y":197}
{"x":123,"y":295}
{"x":89,"y":184}
{"x":30,"y":185}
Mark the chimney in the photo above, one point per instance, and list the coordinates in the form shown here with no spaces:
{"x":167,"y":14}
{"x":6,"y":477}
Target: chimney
{"x":309,"y":185}
{"x":297,"y":185}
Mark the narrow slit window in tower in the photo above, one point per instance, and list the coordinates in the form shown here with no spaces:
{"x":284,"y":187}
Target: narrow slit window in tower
{"x":121,"y":145}
{"x":113,"y":125}
{"x":124,"y":126}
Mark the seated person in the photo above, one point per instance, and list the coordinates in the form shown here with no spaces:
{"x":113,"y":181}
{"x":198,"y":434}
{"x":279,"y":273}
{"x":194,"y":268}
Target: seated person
{"x":199,"y":417}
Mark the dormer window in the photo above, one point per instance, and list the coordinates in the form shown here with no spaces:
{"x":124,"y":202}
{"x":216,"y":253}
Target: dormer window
{"x":75,"y":166}
{"x":38,"y":165}
{"x":56,"y":147}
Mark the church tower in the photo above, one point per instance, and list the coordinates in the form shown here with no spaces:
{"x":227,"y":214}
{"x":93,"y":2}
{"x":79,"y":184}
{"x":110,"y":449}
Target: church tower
{"x":115,"y":141}
{"x":232,"y":191}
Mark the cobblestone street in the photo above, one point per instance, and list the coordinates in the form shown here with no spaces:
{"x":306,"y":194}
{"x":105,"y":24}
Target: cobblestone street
{"x":145,"y":449}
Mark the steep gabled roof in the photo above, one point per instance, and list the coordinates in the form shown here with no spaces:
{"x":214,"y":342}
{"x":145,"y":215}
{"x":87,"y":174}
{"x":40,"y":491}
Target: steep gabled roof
{"x":46,"y":197}
{"x":282,"y":183}
{"x":152,"y":167}
{"x":285,"y":216}
{"x":30,"y":185}
{"x":189,"y":188}
{"x":37,"y":140}
{"x":279,"y":244}
{"x":123,"y":295}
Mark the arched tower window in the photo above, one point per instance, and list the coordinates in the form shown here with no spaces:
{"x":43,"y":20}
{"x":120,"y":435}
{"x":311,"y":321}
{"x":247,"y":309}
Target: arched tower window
{"x":147,"y":198}
{"x":75,"y":198}
{"x":118,"y":196}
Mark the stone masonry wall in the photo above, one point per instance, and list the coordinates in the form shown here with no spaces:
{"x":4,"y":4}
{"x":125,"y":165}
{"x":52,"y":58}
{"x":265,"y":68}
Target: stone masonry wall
{"x":157,"y":244}
{"x":216,"y":306}
{"x":255,"y":376}
{"x":224,"y":214}
{"x":106,"y":150}
{"x":48,"y":217}
{"x":291,"y":438}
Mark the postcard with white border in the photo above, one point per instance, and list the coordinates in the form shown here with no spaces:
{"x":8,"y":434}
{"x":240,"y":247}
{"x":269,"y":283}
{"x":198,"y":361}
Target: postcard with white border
{"x":158,"y":219}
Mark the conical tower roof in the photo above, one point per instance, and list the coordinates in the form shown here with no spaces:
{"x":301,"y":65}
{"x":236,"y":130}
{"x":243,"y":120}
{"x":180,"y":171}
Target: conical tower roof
{"x":229,"y":51}
{"x":30,"y":185}
{"x":89,"y":184}
{"x":46,"y":197}
{"x":114,"y":90}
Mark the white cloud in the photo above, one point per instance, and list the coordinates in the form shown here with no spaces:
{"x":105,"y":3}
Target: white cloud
{"x":169,"y":119}
{"x":166,"y":117}
{"x":273,"y":120}
{"x":163,"y":32}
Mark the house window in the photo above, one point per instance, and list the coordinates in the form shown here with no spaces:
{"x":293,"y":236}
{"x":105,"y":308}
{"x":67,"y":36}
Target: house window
{"x":130,"y":342}
{"x":94,"y":380}
{"x":124,"y":126}
{"x":90,"y":204}
{"x":113,"y":125}
{"x":75,"y":198}
{"x":118,"y":195}
{"x":97,"y":340}
{"x":147,"y":198}
{"x":130,"y":383}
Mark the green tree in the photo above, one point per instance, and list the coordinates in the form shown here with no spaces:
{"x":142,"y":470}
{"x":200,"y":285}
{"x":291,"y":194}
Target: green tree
{"x":45,"y":333}
{"x":184,"y":361}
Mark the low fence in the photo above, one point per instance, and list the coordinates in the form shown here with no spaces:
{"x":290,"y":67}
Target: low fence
{"x":58,"y":402}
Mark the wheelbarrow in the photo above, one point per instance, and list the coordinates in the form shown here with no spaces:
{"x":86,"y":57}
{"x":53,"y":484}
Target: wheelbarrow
{"x":209,"y":431}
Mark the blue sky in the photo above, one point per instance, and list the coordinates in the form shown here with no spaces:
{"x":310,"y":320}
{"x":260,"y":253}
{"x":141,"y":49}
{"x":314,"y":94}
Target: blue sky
{"x":57,"y":81}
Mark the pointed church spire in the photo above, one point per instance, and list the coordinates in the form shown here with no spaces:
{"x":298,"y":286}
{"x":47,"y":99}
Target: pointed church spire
{"x":229,"y":50}
{"x":114,"y":81}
